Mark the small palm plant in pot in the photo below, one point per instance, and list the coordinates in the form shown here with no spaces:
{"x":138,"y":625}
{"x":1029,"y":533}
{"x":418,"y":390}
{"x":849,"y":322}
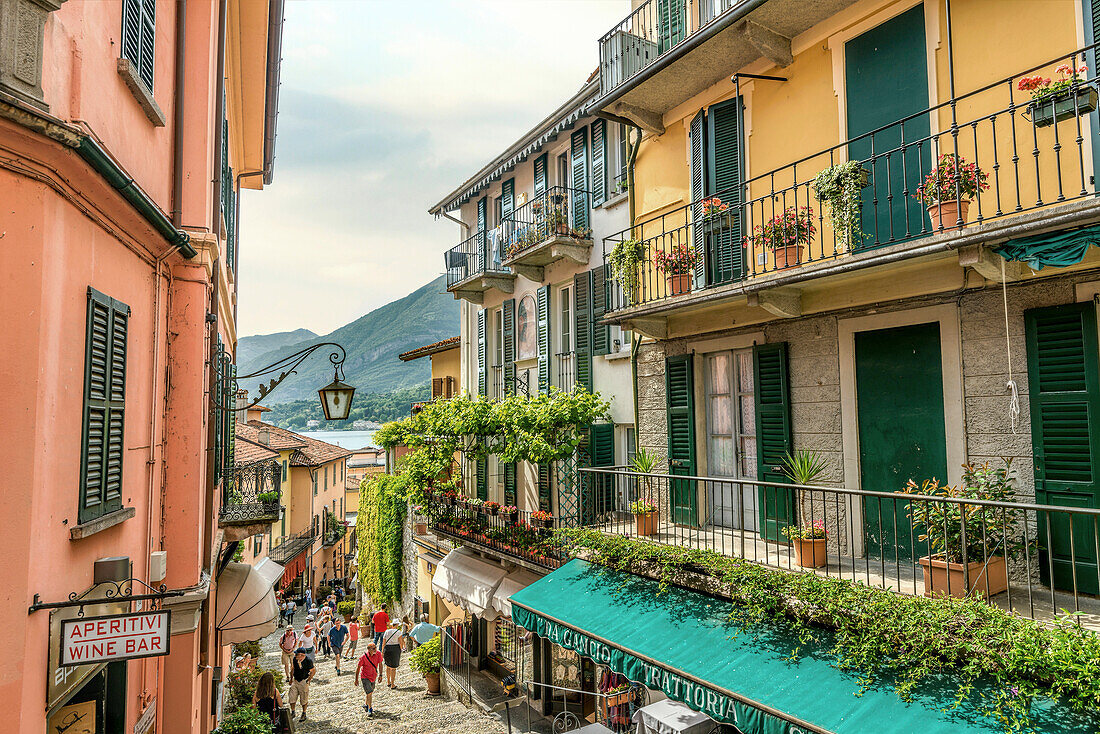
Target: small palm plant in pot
{"x":810,"y":540}
{"x":426,"y":661}
{"x":645,"y":508}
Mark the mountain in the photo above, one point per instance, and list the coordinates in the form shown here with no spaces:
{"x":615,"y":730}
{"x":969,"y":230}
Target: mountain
{"x":251,"y":347}
{"x":427,"y":315}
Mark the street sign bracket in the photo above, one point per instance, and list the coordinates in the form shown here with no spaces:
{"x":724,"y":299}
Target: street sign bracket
{"x":117,"y":591}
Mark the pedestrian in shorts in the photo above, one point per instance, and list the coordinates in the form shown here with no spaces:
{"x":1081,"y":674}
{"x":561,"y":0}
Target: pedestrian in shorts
{"x":368,"y":672}
{"x":302,"y":671}
{"x":336,"y":637}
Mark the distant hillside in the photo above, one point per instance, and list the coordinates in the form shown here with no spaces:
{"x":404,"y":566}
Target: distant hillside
{"x":251,"y":347}
{"x":373,"y":342}
{"x":370,"y":406}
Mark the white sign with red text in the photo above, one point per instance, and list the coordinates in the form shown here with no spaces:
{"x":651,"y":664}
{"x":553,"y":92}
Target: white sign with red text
{"x":117,"y":637}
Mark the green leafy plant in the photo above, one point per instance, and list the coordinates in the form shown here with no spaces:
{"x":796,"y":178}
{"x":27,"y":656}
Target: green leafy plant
{"x":267,"y":498}
{"x":644,"y":461}
{"x":989,"y":531}
{"x":249,"y":648}
{"x":887,"y":637}
{"x":803,"y":467}
{"x":383,"y":504}
{"x":793,"y":228}
{"x":623,"y":260}
{"x":840,"y":187}
{"x":1041,"y":87}
{"x":247,"y":720}
{"x":426,"y":658}
{"x":643,"y":506}
{"x":678,"y":260}
{"x":805,"y":531}
{"x":241,"y":684}
{"x":952,"y":176}
{"x":346,"y":608}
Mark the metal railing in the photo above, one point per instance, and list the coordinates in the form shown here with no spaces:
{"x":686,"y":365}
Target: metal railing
{"x":552,"y":213}
{"x":290,"y":546}
{"x":1030,"y":558}
{"x":480,"y":253}
{"x":1030,"y":155}
{"x":516,"y":535}
{"x":455,"y":659}
{"x":567,"y":706}
{"x":252,"y":495}
{"x":565,"y":373}
{"x":650,"y":31}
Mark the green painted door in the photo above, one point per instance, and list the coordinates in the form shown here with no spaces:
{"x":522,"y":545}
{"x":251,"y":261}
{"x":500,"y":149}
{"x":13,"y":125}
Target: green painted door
{"x":777,"y":506}
{"x":899,"y":405}
{"x":886,"y":80}
{"x":1064,"y":393}
{"x":680,"y":391}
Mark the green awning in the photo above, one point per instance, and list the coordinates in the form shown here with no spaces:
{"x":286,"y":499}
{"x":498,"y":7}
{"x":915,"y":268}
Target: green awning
{"x":1057,"y":249}
{"x":684,"y":643}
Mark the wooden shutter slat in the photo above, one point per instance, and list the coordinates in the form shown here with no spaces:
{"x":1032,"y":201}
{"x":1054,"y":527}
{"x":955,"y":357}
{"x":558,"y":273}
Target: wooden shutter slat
{"x":131,"y":31}
{"x":680,"y":397}
{"x":578,"y":144}
{"x":482,"y":371}
{"x":774,"y":437}
{"x":542,"y":300}
{"x":582,"y":327}
{"x":103,"y":430}
{"x":601,"y":333}
{"x":510,"y":484}
{"x":723,"y":170}
{"x":148,"y":41}
{"x":508,"y":336}
{"x":507,"y":198}
{"x":540,"y":175}
{"x":599,"y":162}
{"x":482,"y":480}
{"x":698,"y":176}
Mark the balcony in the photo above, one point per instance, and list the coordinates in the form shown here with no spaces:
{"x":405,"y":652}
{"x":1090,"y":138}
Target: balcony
{"x":512,"y":536}
{"x":766,"y":238}
{"x":667,"y":51}
{"x":289,"y":546}
{"x":251,"y":496}
{"x":475,"y":265}
{"x":333,"y":530}
{"x":565,"y":371}
{"x":550,"y":227}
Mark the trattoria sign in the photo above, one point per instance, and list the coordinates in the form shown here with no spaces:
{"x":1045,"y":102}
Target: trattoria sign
{"x":116,"y":637}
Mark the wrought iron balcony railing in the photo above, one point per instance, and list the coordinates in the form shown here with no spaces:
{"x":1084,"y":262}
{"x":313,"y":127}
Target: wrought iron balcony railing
{"x":478,"y":254}
{"x":558,"y":212}
{"x":290,"y":546}
{"x":515,"y":535}
{"x":1016,"y":155}
{"x":251,"y":495}
{"x":565,"y":376}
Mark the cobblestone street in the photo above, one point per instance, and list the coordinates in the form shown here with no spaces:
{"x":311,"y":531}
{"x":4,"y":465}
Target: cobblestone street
{"x":336,"y":704}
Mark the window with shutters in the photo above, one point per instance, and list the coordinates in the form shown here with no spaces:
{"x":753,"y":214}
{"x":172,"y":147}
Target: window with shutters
{"x":496,"y":363}
{"x":564,"y":368}
{"x":716,"y":170}
{"x":139,"y":30}
{"x":102,"y":448}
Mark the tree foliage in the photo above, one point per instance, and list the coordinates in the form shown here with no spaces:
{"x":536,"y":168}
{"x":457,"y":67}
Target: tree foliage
{"x":380,"y":529}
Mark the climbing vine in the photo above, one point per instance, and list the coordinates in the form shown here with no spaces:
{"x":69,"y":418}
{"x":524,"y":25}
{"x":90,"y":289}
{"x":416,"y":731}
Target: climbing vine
{"x":380,"y":532}
{"x":883,"y":636}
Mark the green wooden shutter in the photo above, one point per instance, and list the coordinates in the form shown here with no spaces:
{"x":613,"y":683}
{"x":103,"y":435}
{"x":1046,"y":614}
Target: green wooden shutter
{"x":507,"y":198}
{"x":540,"y":175}
{"x":508,"y":323}
{"x":482,"y":362}
{"x":582,"y":327}
{"x":510,"y":484}
{"x":139,"y":29}
{"x":1064,"y":395}
{"x":696,"y":132}
{"x":482,"y":242}
{"x":671,"y":23}
{"x":579,"y":160}
{"x":680,"y":392}
{"x":725,"y":246}
{"x":545,"y":492}
{"x":599,"y":162}
{"x":102,"y":437}
{"x":773,"y":437}
{"x":542,"y":299}
{"x":482,"y":481}
{"x":601,"y":333}
{"x":601,"y":445}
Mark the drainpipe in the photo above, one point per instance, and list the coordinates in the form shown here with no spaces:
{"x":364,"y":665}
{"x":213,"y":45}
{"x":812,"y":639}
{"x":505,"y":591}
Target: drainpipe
{"x":274,"y":72}
{"x":177,"y":113}
{"x":219,"y":115}
{"x":635,"y":337}
{"x":459,"y":222}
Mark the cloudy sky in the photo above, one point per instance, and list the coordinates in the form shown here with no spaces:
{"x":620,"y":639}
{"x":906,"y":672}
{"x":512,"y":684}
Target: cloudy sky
{"x":385,"y":107}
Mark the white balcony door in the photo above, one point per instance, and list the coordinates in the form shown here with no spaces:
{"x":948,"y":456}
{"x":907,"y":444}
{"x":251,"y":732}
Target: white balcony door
{"x":731,"y":438}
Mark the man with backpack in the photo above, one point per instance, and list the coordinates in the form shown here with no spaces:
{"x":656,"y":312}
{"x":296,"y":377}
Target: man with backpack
{"x":288,"y":643}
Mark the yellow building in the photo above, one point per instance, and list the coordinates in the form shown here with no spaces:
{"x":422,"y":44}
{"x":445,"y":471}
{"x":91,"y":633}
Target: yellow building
{"x":810,"y":272}
{"x":446,"y":365}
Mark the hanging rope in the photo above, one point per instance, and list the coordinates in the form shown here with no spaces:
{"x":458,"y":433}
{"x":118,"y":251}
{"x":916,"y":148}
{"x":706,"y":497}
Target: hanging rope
{"x":1013,"y":389}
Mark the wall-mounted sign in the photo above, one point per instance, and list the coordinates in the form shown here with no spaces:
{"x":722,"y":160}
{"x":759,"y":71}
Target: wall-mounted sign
{"x":76,"y":718}
{"x":117,"y":637}
{"x":147,"y":719}
{"x":63,"y":682}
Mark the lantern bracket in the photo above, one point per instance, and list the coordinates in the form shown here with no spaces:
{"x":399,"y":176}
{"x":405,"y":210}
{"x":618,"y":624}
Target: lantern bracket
{"x":116,"y":591}
{"x":286,"y":367}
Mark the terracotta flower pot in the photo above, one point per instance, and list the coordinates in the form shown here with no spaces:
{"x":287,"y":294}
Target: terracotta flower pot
{"x":679,"y":283}
{"x":810,"y":552}
{"x":946,"y":214}
{"x":545,"y":524}
{"x":646,"y":524}
{"x":787,"y":257}
{"x":942,"y":578}
{"x":619,"y":699}
{"x":432,"y":681}
{"x":422,"y":528}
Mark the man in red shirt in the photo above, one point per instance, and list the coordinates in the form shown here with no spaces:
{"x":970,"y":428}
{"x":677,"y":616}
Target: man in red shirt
{"x":381,"y":622}
{"x":369,"y":672}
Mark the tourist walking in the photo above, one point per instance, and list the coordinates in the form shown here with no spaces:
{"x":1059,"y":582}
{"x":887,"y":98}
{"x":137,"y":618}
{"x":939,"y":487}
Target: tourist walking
{"x":368,"y":672}
{"x":423,"y":631}
{"x":323,"y":626}
{"x":302,"y":671}
{"x":353,"y":638}
{"x":336,"y":637}
{"x":308,"y":641}
{"x":381,"y":622}
{"x":391,"y":653}
{"x":291,"y":607}
{"x":406,"y":627}
{"x":266,"y":699}
{"x":288,"y":643}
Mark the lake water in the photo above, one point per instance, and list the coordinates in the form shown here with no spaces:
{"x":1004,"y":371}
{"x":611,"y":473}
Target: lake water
{"x":343,"y":439}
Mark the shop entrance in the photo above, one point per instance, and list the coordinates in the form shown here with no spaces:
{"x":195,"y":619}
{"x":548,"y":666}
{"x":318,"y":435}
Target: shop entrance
{"x":98,"y":707}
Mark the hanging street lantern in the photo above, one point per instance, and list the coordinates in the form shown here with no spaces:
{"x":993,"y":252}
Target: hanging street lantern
{"x":336,"y":400}
{"x":335,"y":397}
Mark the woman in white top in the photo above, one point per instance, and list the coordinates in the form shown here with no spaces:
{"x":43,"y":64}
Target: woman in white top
{"x":307,"y":641}
{"x":391,"y":652}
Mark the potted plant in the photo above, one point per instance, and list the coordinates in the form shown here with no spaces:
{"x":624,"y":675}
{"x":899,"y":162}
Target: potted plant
{"x":475,"y":504}
{"x":678,"y":264}
{"x":584,"y":233}
{"x":268,"y":498}
{"x":542,"y":519}
{"x":989,"y":538}
{"x":623,"y":260}
{"x":786,"y":235}
{"x":426,"y":659}
{"x":510,"y":513}
{"x":1065,"y":97}
{"x":948,"y":189}
{"x":645,"y":516}
{"x":421,"y":525}
{"x":839,"y":186}
{"x":714,"y":210}
{"x":557,"y":220}
{"x":490,"y":508}
{"x":619,"y":695}
{"x":810,"y":543}
{"x":803,"y":467}
{"x":621,"y":185}
{"x":450,"y":498}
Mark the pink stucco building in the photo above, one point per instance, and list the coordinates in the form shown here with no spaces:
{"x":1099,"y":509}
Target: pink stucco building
{"x":127,"y":128}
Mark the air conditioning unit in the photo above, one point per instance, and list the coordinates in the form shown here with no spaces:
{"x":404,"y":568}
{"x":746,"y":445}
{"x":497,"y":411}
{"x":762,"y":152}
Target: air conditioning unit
{"x":158,"y":566}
